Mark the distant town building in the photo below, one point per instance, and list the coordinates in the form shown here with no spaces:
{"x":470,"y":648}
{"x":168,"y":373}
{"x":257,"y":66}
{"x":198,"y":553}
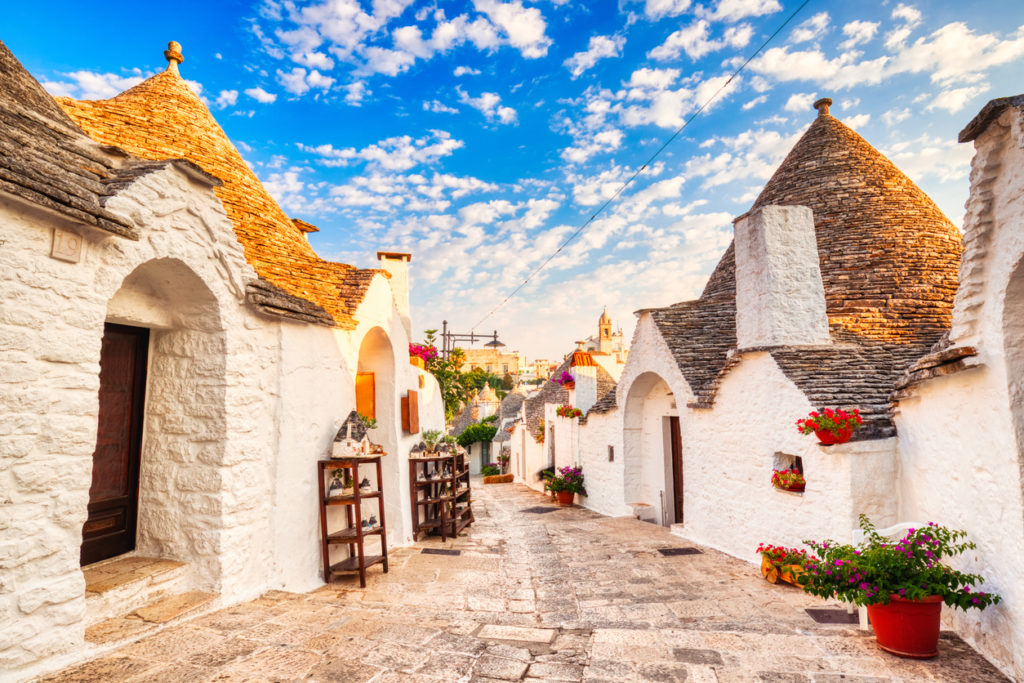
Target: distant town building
{"x":497,"y":361}
{"x":607,"y":347}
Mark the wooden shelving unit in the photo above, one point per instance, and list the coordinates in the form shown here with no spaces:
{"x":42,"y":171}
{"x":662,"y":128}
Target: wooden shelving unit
{"x":354,"y":534}
{"x":440,"y":495}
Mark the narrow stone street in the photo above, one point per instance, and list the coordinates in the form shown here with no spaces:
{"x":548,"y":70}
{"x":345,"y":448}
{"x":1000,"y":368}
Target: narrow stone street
{"x":548,"y":595}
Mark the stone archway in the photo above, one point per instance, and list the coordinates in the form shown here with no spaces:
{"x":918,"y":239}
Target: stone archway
{"x":377,"y":362}
{"x":653,"y":448}
{"x":180,"y":505}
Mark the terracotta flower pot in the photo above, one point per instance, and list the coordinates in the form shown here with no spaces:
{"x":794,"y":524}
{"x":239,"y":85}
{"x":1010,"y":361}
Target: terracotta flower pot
{"x":418,"y":362}
{"x":828,"y":438}
{"x":786,"y":572}
{"x":908,"y":628}
{"x":565,"y":498}
{"x":569,"y":386}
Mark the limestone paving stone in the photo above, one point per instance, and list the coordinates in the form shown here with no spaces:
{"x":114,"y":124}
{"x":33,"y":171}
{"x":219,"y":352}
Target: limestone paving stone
{"x":639,"y":617}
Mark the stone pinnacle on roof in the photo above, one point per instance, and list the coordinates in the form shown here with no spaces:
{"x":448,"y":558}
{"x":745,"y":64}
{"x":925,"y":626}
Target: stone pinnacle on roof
{"x":822,"y":106}
{"x":173,"y":56}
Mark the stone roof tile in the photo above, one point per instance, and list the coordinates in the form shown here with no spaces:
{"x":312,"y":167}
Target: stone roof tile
{"x":47,"y":160}
{"x":162,"y":118}
{"x":889,"y":261}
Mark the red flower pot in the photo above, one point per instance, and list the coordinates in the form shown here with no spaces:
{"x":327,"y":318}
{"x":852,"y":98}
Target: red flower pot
{"x":568,"y":386}
{"x":795,"y":488}
{"x":908,"y":628}
{"x":828,"y":438}
{"x":565,"y":498}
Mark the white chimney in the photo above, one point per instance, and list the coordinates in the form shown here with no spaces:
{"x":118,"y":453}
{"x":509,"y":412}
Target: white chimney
{"x":780,"y":299}
{"x":397,"y":265}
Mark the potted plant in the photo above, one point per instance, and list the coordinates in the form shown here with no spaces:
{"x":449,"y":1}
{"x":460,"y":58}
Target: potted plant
{"x":566,"y":484}
{"x":779,"y":563}
{"x":902,"y":583}
{"x":538,"y":436}
{"x":830,"y":426}
{"x":421,"y":354}
{"x":568,"y":411}
{"x":566,"y":380}
{"x":431,"y":439}
{"x":490,"y":469}
{"x":788,"y":480}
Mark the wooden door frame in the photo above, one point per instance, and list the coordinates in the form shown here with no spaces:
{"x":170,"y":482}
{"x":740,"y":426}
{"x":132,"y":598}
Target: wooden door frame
{"x":97,"y":553}
{"x":676,"y":453}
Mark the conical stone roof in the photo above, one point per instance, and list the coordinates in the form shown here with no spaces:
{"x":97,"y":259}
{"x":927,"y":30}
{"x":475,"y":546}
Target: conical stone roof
{"x":889,"y":262}
{"x":889,"y":257}
{"x":162,"y":118}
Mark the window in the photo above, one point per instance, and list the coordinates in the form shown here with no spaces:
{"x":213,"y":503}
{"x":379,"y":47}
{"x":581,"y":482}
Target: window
{"x":611,"y":453}
{"x":505,"y":371}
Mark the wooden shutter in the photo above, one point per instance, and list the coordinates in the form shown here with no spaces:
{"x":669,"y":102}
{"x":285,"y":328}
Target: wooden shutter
{"x":366,"y":396}
{"x":411,"y":413}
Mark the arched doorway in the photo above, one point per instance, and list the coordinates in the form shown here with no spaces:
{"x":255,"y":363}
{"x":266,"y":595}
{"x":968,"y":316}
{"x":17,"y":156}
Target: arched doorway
{"x":377,"y":397}
{"x":653,"y":453}
{"x":164,"y":456}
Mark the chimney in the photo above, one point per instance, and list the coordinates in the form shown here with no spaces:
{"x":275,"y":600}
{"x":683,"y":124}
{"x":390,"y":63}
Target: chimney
{"x":780,"y":299}
{"x":397,"y":265}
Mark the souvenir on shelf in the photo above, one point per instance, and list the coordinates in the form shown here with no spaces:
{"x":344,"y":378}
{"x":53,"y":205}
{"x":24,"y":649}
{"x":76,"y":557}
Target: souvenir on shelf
{"x":351,"y":440}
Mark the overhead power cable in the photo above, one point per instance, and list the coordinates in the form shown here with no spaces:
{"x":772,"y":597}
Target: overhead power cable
{"x":643,"y":167}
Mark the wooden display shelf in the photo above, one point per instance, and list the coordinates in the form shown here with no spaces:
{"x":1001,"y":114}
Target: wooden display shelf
{"x":433,"y":506}
{"x":351,"y":564}
{"x":354,"y":534}
{"x":350,"y":500}
{"x":350,"y":535}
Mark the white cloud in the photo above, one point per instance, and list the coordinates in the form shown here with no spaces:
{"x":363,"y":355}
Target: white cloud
{"x":951,"y":54}
{"x":599,"y":48}
{"x":656,"y":9}
{"x":858,"y":32}
{"x":466,"y":71}
{"x":438,"y":106}
{"x":386,"y":61}
{"x":800,"y":101}
{"x":227,"y":98}
{"x":524,"y":27}
{"x":734,"y":10}
{"x":857,"y":121}
{"x":91,"y":85}
{"x":810,"y":29}
{"x":894,"y":116}
{"x":957,"y":98}
{"x":396,"y":154}
{"x":923,"y":157}
{"x":760,"y":99}
{"x":260,"y":95}
{"x":489,"y":104}
{"x":314,"y":60}
{"x":695,"y":41}
{"x":656,"y":79}
{"x":355,"y":92}
{"x":605,"y":141}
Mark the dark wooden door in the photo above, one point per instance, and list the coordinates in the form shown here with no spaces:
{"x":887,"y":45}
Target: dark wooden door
{"x":109,"y":529}
{"x":677,"y":467}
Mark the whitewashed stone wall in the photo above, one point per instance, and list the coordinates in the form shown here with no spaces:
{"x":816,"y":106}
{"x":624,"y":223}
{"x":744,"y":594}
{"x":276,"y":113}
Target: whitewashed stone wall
{"x":239,"y":408}
{"x":959,"y":446}
{"x":603,"y":477}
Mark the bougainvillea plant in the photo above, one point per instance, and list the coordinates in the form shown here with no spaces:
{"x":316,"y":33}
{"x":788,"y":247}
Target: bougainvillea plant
{"x":873,"y":571}
{"x":565,"y":378}
{"x":568,"y":411}
{"x":828,"y":420}
{"x":787,"y":479}
{"x":427,"y":353}
{"x":568,"y":479}
{"x":779,"y":556}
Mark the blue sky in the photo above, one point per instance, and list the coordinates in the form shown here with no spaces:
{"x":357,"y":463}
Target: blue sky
{"x":478,"y":135}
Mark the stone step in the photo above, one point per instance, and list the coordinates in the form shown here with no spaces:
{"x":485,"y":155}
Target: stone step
{"x":122,"y":585}
{"x":148,"y":618}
